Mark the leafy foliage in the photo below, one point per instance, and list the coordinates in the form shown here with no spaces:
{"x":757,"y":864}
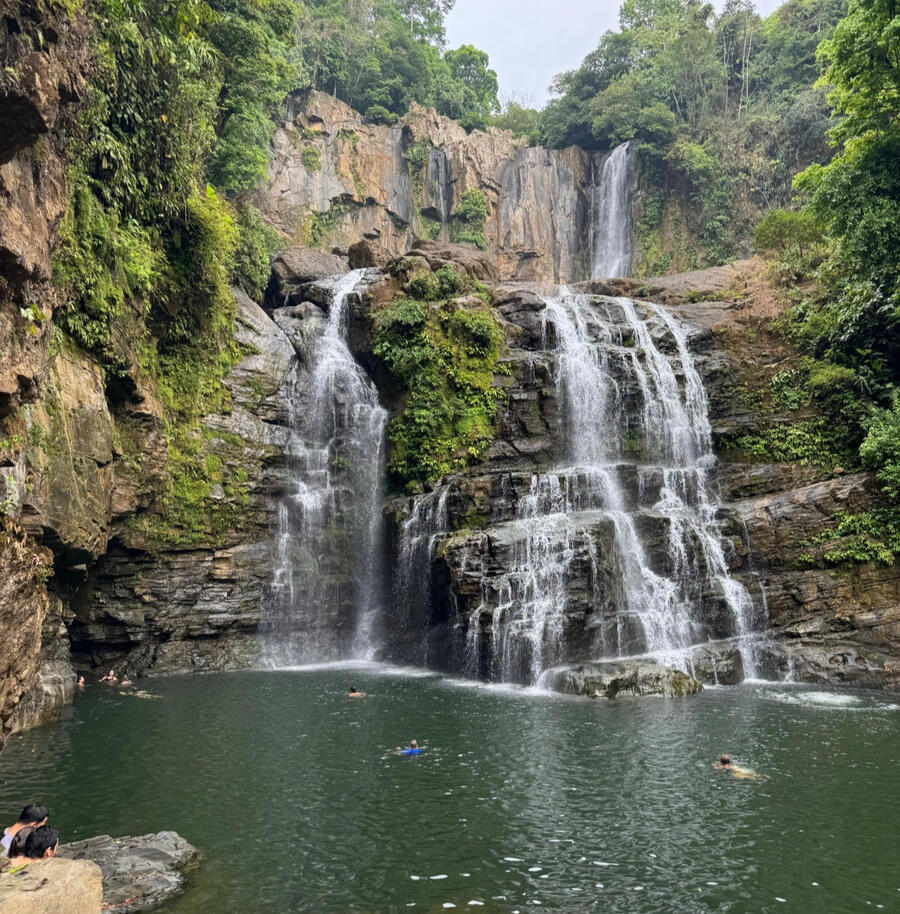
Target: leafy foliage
{"x":870,"y":536}
{"x":444,"y":356}
{"x":722,"y":104}
{"x":379,"y":56}
{"x":880,"y":450}
{"x":468,"y":219}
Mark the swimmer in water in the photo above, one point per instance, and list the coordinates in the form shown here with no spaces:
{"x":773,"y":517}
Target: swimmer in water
{"x":412,"y":750}
{"x":355,"y":693}
{"x":725,"y":764}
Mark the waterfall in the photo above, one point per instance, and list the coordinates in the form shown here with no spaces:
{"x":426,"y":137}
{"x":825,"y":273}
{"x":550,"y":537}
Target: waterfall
{"x":426,"y":519}
{"x":632,"y":508}
{"x":439,"y":183}
{"x":611,"y":243}
{"x":326,"y":587}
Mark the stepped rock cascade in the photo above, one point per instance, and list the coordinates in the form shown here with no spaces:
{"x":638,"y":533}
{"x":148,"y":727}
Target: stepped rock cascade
{"x":611,"y":236}
{"x":326,"y":584}
{"x":631,"y":511}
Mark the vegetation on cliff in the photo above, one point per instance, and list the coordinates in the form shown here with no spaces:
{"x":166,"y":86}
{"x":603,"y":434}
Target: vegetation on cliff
{"x":724,"y":108}
{"x":381,"y":55}
{"x":442,"y":348}
{"x":838,"y":259}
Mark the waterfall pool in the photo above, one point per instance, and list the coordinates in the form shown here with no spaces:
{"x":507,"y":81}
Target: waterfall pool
{"x":522,"y":801}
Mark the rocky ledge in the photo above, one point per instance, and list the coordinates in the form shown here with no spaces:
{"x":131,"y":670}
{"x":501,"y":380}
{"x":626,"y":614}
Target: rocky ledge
{"x":54,"y":886}
{"x":139,"y":873}
{"x":614,"y":678}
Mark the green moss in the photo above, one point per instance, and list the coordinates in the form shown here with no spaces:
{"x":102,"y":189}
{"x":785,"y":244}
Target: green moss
{"x":869,"y":536}
{"x":320,"y":225}
{"x":469,"y":218}
{"x":311,"y":158}
{"x":444,"y":357}
{"x":814,"y":440}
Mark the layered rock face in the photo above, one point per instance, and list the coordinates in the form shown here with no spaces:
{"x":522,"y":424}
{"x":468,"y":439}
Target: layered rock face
{"x":336,"y":180}
{"x":464,"y":550}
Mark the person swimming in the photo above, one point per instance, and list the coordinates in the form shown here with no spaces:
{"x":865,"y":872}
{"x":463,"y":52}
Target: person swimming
{"x":726,"y":764}
{"x":355,"y":693}
{"x":412,"y":750}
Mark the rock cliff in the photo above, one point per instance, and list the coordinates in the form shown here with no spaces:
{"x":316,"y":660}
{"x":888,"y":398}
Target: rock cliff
{"x":336,"y":180}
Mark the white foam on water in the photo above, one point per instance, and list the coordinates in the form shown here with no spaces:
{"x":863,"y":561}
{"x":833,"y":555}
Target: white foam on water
{"x":836,"y":701}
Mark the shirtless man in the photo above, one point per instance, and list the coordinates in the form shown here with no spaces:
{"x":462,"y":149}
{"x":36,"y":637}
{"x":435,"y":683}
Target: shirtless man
{"x":725,"y":764}
{"x":355,"y":693}
{"x":41,"y":844}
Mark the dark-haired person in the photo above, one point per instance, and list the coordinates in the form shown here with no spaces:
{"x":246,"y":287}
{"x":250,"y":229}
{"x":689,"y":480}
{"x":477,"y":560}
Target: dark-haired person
{"x":31,"y":817}
{"x":110,"y":677}
{"x":41,"y":844}
{"x":355,"y":693}
{"x":726,"y":764}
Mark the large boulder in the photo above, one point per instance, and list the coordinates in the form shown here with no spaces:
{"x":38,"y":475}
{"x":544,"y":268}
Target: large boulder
{"x":298,"y":267}
{"x":464,"y":258}
{"x":366,"y":253}
{"x":54,"y":886}
{"x":610,"y":679}
{"x":139,"y":873}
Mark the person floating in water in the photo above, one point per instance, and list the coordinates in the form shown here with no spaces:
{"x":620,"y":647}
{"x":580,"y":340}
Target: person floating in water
{"x":110,"y":677}
{"x":726,"y":764}
{"x":355,"y":693}
{"x":412,"y":750}
{"x":32,"y":816}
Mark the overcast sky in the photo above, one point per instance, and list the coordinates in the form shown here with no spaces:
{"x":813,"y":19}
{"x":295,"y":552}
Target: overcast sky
{"x":530,"y":41}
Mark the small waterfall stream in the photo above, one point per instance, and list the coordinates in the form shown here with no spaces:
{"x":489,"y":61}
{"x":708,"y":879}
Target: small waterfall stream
{"x":326,"y":585}
{"x":632,"y":510}
{"x":611,"y":241}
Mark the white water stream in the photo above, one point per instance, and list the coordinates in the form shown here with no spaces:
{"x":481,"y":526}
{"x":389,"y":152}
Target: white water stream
{"x":638,"y":464}
{"x":326,"y":584}
{"x":611,"y":241}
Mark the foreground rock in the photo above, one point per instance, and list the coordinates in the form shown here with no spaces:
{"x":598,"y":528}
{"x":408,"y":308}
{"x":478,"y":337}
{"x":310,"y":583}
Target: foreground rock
{"x":140,"y":872}
{"x":55,"y":886}
{"x":609,"y":679}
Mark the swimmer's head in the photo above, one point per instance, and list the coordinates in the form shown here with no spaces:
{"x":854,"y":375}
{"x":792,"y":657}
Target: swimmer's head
{"x":413,"y":744}
{"x":725,"y":760}
{"x":352,"y":688}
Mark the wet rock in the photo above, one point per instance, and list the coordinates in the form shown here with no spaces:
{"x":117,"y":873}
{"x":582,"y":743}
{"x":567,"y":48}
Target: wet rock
{"x":612,"y":679}
{"x":366,"y":253}
{"x":54,"y":886}
{"x":24,"y":567}
{"x":299,"y":266}
{"x":139,"y":873}
{"x":717,"y":664}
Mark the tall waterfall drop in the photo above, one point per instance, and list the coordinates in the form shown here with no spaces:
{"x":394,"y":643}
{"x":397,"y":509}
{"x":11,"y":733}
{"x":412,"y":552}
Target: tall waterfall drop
{"x":611,"y":242}
{"x":326,"y":586}
{"x":630,"y":514}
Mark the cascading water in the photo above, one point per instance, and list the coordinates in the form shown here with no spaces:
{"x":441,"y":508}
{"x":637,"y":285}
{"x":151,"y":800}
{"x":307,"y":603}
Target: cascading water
{"x":326,"y":586}
{"x":611,"y":243}
{"x":632,"y":511}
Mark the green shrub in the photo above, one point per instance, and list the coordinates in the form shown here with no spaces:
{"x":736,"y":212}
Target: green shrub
{"x":870,"y":536}
{"x":445,"y":358}
{"x":311,"y":159}
{"x":469,"y":218}
{"x":880,"y":451}
{"x":256,"y":241}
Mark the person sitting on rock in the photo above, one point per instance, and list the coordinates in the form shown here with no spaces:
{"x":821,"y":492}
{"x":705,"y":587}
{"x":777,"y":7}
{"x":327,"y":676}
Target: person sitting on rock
{"x":31,"y":817}
{"x":41,"y":844}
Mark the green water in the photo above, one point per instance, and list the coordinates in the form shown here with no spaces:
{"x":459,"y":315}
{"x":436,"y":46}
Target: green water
{"x":521,"y":801}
